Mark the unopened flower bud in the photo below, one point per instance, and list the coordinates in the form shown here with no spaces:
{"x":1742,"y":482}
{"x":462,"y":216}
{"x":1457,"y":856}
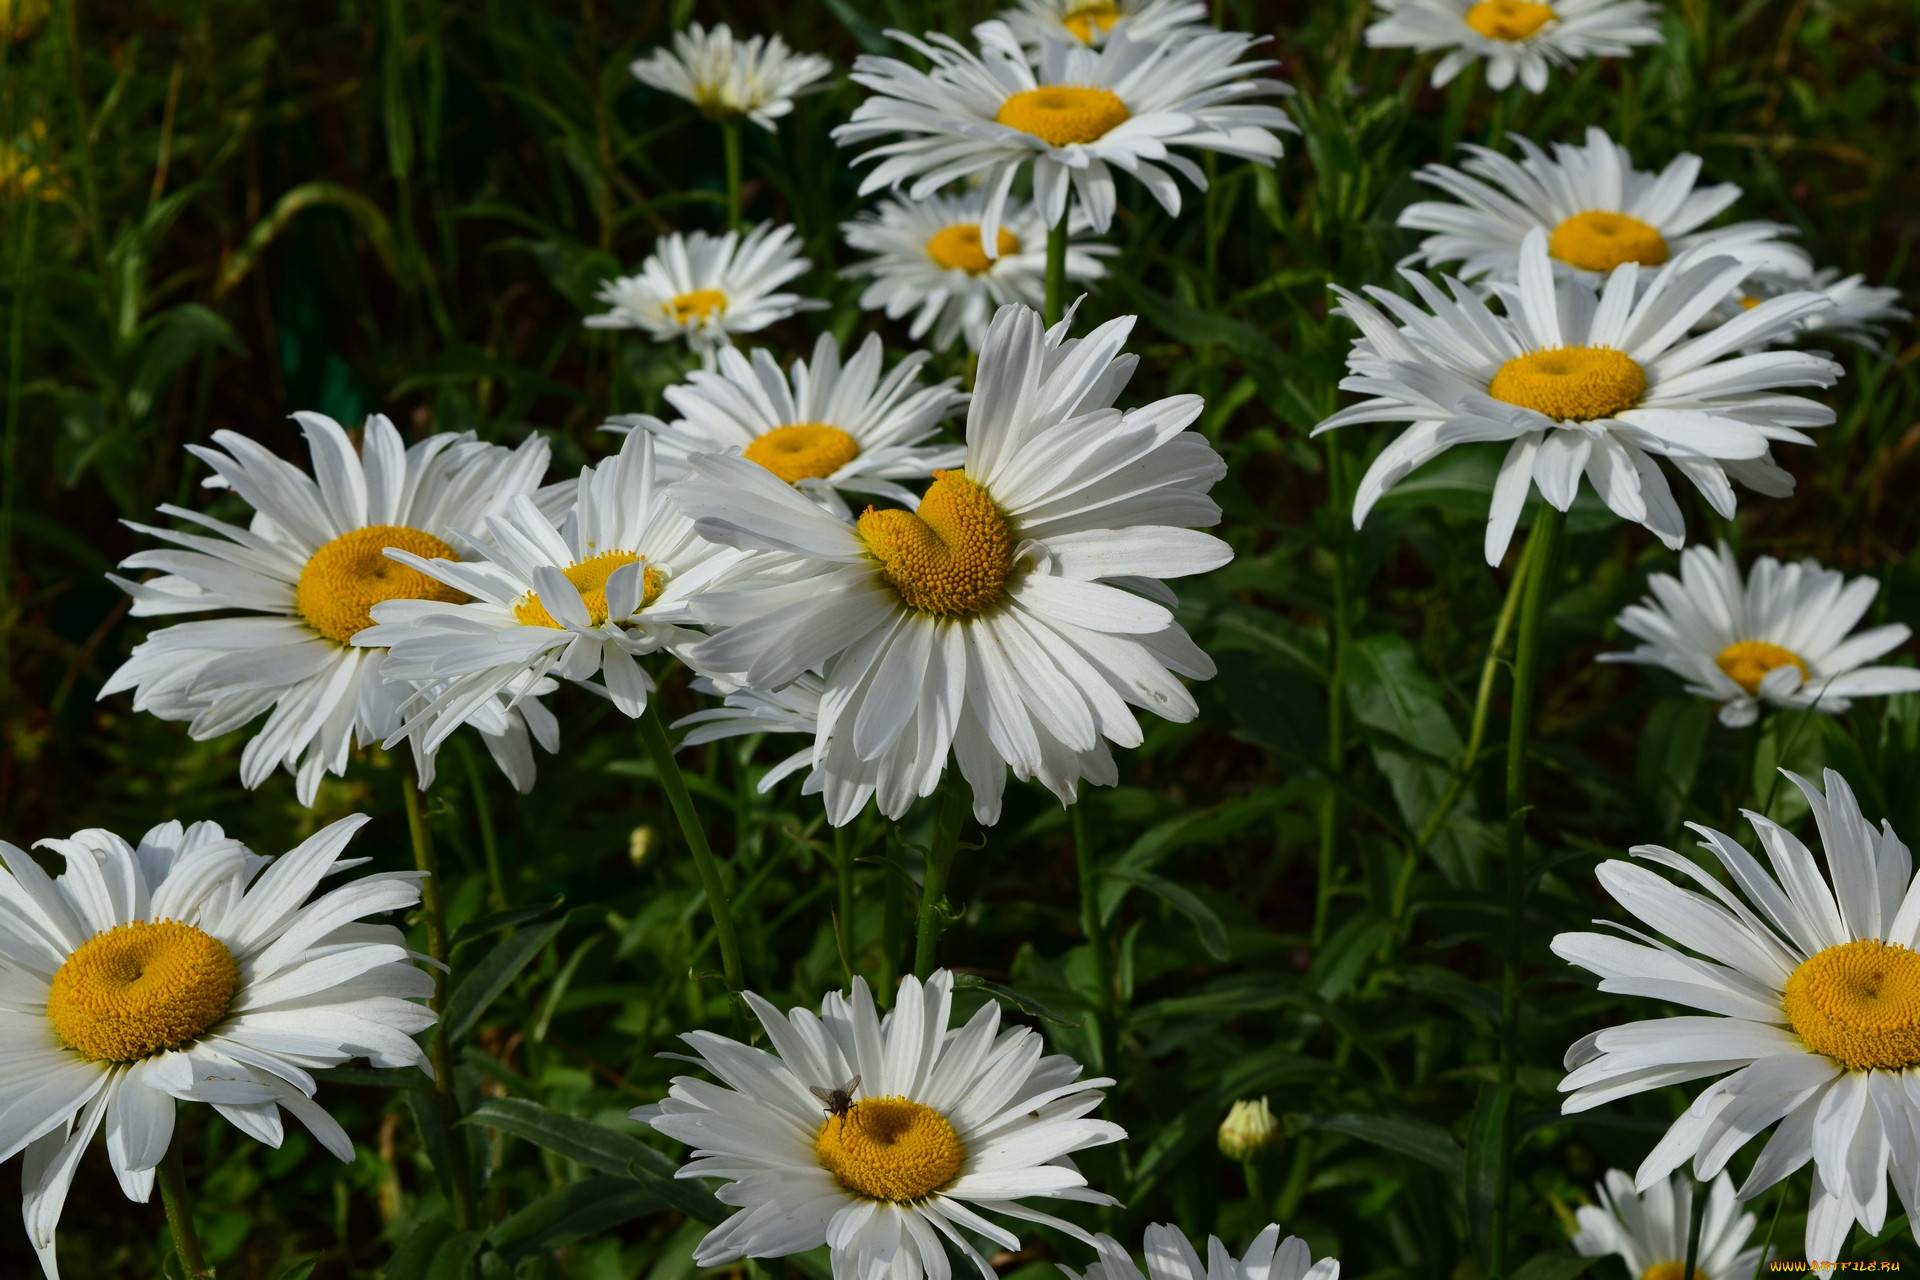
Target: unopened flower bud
{"x":638,"y":843}
{"x":1249,"y":1130}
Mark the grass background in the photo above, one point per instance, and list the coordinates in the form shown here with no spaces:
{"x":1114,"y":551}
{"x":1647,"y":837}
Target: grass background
{"x":217,"y":212}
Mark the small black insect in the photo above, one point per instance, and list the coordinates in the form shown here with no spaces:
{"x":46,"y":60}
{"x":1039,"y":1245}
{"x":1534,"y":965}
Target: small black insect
{"x":836,"y":1101}
{"x":1035,"y":1114}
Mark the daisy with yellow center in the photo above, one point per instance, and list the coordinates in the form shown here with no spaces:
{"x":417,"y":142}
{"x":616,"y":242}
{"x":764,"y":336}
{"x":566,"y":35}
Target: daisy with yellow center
{"x":757,"y":78}
{"x":1856,"y":311}
{"x":1584,"y":383}
{"x":611,"y":585}
{"x":1518,"y":39}
{"x":1597,"y":210}
{"x":1782,"y":635}
{"x":821,"y":425}
{"x":927,"y":261}
{"x":298,"y":587}
{"x":1081,"y":107}
{"x":1171,"y":1256}
{"x":1810,"y":990}
{"x":1648,"y":1231}
{"x":704,"y":289}
{"x":186,"y":968}
{"x":1093,"y":22}
{"x":883,"y":1137}
{"x":1004,"y":616}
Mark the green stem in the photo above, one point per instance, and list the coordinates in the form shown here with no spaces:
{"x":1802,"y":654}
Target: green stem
{"x":843,"y":883}
{"x":1296,"y":1189}
{"x":483,"y":818}
{"x":933,"y":894}
{"x":1336,"y":710}
{"x":654,"y":735}
{"x":1056,"y":305}
{"x":1700,"y":1190}
{"x":1095,"y":929}
{"x":1526,"y":668}
{"x":173,"y":1194}
{"x":893,"y":931}
{"x":1256,"y":1185}
{"x":433,"y":902}
{"x":730,"y":137}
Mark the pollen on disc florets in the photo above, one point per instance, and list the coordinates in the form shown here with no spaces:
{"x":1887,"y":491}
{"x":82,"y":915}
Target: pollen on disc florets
{"x":890,"y":1148}
{"x":139,"y":989}
{"x":803,"y":451}
{"x":1671,"y":1271}
{"x":1571,"y":384}
{"x":1086,"y":19}
{"x":346,"y":577}
{"x":1598,"y":240}
{"x":1747,"y":662}
{"x":590,"y":576}
{"x":1859,"y":1004}
{"x":959,"y":246}
{"x":687,"y":308}
{"x":1509,"y":19}
{"x":952,"y":556}
{"x":1064,"y":114}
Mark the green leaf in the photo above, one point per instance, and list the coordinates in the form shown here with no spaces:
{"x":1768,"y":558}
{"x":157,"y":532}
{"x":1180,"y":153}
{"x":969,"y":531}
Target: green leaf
{"x":454,"y":1261}
{"x":1337,"y":965}
{"x":1669,"y":757}
{"x":299,"y":1268}
{"x":1554,"y":1264}
{"x":366,"y":216}
{"x":578,"y":1209}
{"x":500,"y":966}
{"x":1487,"y":1139}
{"x":1213,"y":934}
{"x":1389,"y":691}
{"x":499,"y":920}
{"x":1415,"y":1139}
{"x":173,"y":338}
{"x":597,"y":1147}
{"x":417,"y":1252}
{"x":1007,"y":995}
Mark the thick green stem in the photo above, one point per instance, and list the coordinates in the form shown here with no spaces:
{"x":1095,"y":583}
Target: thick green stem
{"x":173,"y":1194}
{"x":1700,"y":1191}
{"x":654,"y":735}
{"x":1056,"y":305}
{"x":1526,"y":668}
{"x":730,"y":136}
{"x":947,"y":818}
{"x":483,"y":818}
{"x":1098,"y":944}
{"x":1297,"y":1178}
{"x":843,"y":885}
{"x":1336,"y":711}
{"x":433,"y":903}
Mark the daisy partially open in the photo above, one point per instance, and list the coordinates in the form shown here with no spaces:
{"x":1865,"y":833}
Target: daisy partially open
{"x":824,"y":427}
{"x":187,"y":968}
{"x":1092,"y":22}
{"x":744,"y":711}
{"x":1585,"y":383}
{"x":1648,"y":1231}
{"x":1171,"y":1256}
{"x":928,"y":261}
{"x":1782,"y":636}
{"x":301,"y":580}
{"x":1596,"y":210}
{"x":1811,"y":997}
{"x":590,"y":598}
{"x":757,"y":78}
{"x":1013,"y":614}
{"x":1857,"y":312}
{"x":935,"y":1126}
{"x":1079,"y":114}
{"x":1521,"y":38}
{"x":706,"y":288}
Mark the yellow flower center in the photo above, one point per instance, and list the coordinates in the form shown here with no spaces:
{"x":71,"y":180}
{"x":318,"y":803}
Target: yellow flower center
{"x":137,"y":989}
{"x":1671,"y":1271}
{"x":952,"y":556}
{"x":1578,"y":384}
{"x":1747,"y":662}
{"x":805,"y":451}
{"x":348,"y":576}
{"x":960,"y":246}
{"x":1085,"y":20}
{"x":686,"y":308}
{"x":1748,"y":302}
{"x":1509,"y":19}
{"x":890,"y":1149}
{"x":1600,"y":241}
{"x":590,"y":576}
{"x":1062,"y":114}
{"x":1859,"y":1003}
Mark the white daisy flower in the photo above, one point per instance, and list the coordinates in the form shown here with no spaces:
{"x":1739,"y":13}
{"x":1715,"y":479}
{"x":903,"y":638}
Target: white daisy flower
{"x":1078,"y":114}
{"x":1649,"y":1232}
{"x":303,"y":576}
{"x":1596,"y":210}
{"x":1780,"y":637}
{"x":1006,"y":617}
{"x":187,"y":968}
{"x":882,"y":1137}
{"x":757,"y":78}
{"x":1170,"y":1256}
{"x":706,"y":288}
{"x":822,"y":426}
{"x":744,"y":711}
{"x":928,"y":261}
{"x":1859,"y":313}
{"x":608,"y":587}
{"x":1813,"y":997}
{"x":1584,"y":382}
{"x":1516,"y":37}
{"x":1091,"y":22}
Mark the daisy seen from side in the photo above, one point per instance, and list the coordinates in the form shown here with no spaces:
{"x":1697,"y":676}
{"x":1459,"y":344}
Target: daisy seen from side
{"x":926,"y":260}
{"x":1585,"y":383}
{"x":757,"y":78}
{"x":300,"y":580}
{"x":1081,"y":112}
{"x":1648,"y":1231}
{"x":1171,"y":1256}
{"x":935,"y":1130}
{"x":793,"y":709}
{"x":1092,"y":22}
{"x":1809,"y":991}
{"x":1516,"y":38}
{"x":1014,"y":614}
{"x":1782,"y":636}
{"x":1857,"y":312}
{"x":186,"y":967}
